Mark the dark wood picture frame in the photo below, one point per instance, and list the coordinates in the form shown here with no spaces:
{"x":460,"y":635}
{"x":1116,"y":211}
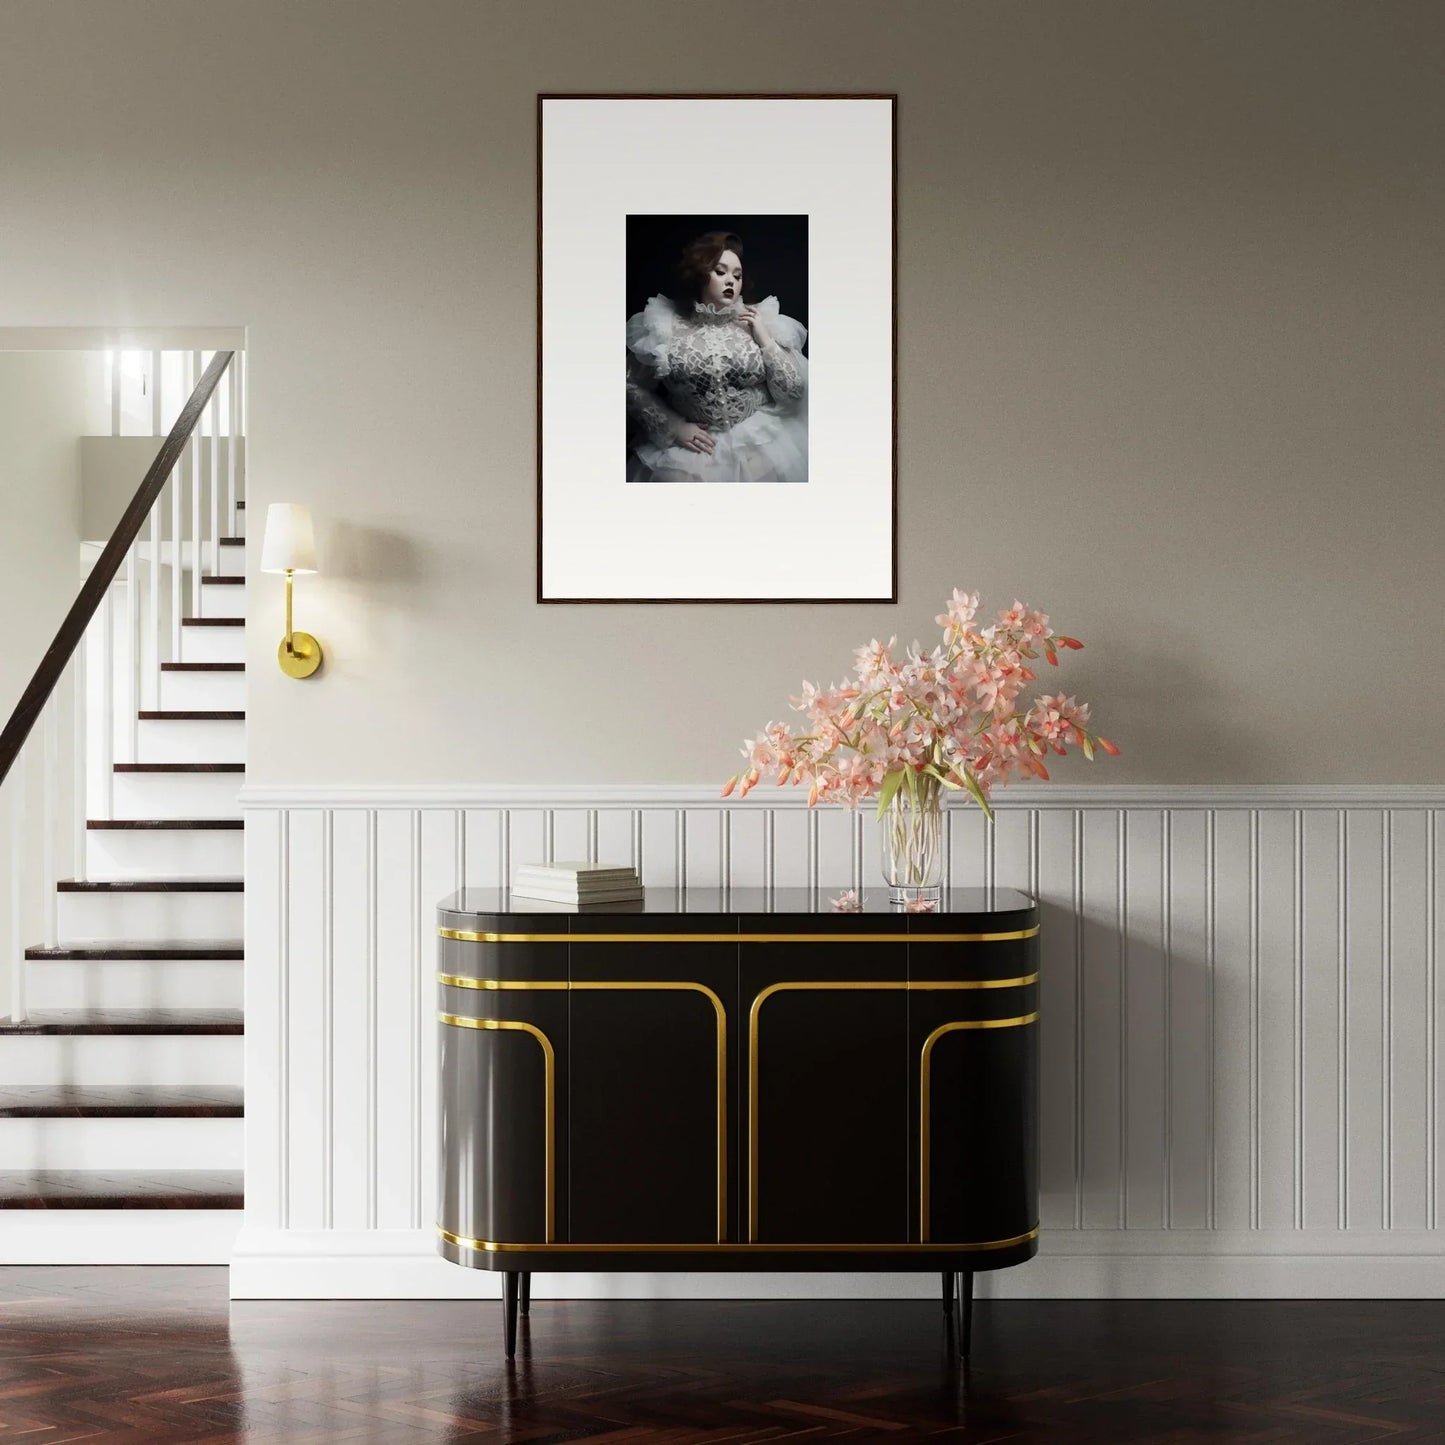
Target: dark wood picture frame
{"x":892,"y":98}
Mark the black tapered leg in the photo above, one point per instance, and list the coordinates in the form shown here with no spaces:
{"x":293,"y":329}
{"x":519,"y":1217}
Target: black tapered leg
{"x":509,"y":1310}
{"x":965,"y":1314}
{"x":526,"y":1293}
{"x":948,"y":1292}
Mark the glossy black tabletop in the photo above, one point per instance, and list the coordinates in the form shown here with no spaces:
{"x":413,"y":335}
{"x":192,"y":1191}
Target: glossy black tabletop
{"x":958,"y":908}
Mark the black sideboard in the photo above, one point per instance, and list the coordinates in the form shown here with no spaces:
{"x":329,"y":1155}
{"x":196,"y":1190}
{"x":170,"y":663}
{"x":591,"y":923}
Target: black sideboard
{"x":740,"y":1081}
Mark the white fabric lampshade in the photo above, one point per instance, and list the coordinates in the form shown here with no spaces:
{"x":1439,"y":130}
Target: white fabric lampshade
{"x":289,"y":544}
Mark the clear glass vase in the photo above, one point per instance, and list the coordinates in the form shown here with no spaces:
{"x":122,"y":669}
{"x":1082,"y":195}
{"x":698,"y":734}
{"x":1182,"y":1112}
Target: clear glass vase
{"x":913,"y":847}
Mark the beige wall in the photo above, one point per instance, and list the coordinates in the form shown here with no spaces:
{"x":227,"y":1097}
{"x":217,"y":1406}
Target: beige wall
{"x":1170,"y":331}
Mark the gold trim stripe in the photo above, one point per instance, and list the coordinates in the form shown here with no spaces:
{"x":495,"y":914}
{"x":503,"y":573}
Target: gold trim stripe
{"x":767,"y":993}
{"x":925,"y":1085}
{"x":464,"y":936}
{"x":458,"y":980}
{"x":489,"y":1246}
{"x":498,"y":984}
{"x":549,"y":1068}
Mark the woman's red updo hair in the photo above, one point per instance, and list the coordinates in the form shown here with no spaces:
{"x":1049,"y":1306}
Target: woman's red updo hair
{"x":697,"y":260}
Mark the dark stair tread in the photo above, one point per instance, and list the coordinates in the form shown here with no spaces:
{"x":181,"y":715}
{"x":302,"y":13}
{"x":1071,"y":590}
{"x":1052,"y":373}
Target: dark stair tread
{"x":150,"y":885}
{"x":213,"y":621}
{"x":122,"y":1189}
{"x":241,"y":505}
{"x":126,"y":950}
{"x":170,"y":714}
{"x":223,"y":581}
{"x":194,"y":825}
{"x":203,"y":667}
{"x":232,"y":541}
{"x":180,"y":767}
{"x":129,"y":1021}
{"x":121,"y":1101}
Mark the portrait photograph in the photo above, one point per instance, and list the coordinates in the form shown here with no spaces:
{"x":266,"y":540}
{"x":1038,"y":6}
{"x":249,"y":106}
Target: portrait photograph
{"x":716,"y":349}
{"x":716,"y":363}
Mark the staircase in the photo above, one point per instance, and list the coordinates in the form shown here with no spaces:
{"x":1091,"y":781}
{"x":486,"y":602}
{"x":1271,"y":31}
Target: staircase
{"x":121,"y":1099}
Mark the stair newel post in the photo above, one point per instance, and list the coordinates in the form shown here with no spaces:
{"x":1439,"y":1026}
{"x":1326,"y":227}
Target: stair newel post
{"x":194,"y":448}
{"x":132,"y":648}
{"x":15,"y":955}
{"x":107,"y":699}
{"x":49,"y":817}
{"x":79,"y":704}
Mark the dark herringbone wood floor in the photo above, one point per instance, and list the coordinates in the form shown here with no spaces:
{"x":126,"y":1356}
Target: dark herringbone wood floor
{"x":151,"y":1355}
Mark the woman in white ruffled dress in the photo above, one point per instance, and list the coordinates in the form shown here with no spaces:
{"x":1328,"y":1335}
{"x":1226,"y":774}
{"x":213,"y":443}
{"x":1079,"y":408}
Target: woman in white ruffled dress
{"x":717,"y":389}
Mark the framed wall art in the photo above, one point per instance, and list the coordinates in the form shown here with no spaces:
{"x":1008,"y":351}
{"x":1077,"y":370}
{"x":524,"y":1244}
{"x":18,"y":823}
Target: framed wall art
{"x":716,"y":348}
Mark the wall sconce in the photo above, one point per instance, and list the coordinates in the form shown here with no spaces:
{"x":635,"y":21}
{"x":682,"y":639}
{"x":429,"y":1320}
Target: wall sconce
{"x":290,"y":547}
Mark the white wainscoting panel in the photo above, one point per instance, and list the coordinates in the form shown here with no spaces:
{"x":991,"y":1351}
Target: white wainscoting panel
{"x":1240,"y":1023}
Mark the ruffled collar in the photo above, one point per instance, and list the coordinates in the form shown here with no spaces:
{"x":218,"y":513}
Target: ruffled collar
{"x":710,"y":314}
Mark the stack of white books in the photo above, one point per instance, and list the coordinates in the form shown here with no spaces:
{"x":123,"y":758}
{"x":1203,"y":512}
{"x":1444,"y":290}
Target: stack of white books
{"x":579,"y":883}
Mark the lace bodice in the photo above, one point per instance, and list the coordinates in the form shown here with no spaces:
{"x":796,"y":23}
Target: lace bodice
{"x":702,"y":366}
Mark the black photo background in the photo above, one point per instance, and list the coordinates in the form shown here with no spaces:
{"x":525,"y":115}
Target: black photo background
{"x":775,"y":257}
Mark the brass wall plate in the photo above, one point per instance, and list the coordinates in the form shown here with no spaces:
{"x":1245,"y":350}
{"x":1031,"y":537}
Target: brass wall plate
{"x":302,"y":658}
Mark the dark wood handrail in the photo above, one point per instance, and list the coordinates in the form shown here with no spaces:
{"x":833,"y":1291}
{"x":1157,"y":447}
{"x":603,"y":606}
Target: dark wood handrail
{"x":67,"y":639}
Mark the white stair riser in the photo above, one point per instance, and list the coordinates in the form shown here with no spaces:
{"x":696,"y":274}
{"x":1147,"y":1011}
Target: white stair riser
{"x":191,"y":740}
{"x":164,"y":853}
{"x":86,"y":1059}
{"x":177,"y":795}
{"x":203,"y":691}
{"x":149,"y":917}
{"x":147,"y":983}
{"x":240,"y":528}
{"x":213,"y":644}
{"x":222,"y":601}
{"x":121,"y":1143}
{"x":233,"y":562}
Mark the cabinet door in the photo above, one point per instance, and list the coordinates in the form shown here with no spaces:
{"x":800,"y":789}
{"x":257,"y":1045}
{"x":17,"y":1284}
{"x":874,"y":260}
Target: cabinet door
{"x":973,"y":1046}
{"x":652,"y":1128}
{"x":502,"y":1021}
{"x":825,"y":1092}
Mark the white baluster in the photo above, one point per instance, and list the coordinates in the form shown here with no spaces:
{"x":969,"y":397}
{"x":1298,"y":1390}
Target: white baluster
{"x":116,"y":358}
{"x":196,"y":459}
{"x":176,"y":484}
{"x":50,"y":813}
{"x":17,"y":888}
{"x":233,"y":410}
{"x":153,"y":660}
{"x":132,"y":647}
{"x":80,"y":701}
{"x":153,"y":631}
{"x":243,"y":430}
{"x":214,"y":408}
{"x":107,"y":701}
